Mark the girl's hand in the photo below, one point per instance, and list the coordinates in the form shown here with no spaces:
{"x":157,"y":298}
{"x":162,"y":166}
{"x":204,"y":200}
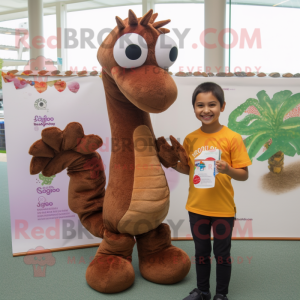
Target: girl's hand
{"x":222,"y":166}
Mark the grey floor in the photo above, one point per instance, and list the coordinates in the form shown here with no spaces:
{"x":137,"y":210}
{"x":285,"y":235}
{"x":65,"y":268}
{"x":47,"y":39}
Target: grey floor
{"x":272,"y":274}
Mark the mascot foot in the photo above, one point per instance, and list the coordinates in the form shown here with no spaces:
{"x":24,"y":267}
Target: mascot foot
{"x":159,"y":260}
{"x":111,"y":270}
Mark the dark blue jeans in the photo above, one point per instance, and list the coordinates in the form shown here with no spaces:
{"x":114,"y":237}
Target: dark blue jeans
{"x":201,"y":231}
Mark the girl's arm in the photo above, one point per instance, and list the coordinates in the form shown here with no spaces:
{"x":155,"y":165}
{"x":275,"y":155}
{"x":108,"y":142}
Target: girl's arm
{"x":182,"y":168}
{"x":237,"y":174}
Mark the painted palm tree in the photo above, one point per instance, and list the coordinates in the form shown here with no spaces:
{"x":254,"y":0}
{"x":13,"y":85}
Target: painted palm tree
{"x":268,"y":126}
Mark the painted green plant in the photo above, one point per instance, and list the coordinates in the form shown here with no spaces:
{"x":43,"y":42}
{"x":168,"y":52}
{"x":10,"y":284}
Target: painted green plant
{"x":268,"y":125}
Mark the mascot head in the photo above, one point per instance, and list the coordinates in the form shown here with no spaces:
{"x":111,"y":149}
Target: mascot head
{"x":135,"y":57}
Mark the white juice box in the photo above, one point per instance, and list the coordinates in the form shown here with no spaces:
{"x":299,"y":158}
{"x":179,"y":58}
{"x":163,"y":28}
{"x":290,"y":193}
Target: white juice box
{"x":205,"y":169}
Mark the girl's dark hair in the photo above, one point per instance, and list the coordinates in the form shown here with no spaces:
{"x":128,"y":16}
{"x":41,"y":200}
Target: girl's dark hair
{"x":207,"y":87}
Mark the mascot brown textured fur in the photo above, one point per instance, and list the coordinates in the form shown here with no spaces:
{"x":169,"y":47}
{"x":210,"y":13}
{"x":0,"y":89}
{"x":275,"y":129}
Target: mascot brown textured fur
{"x":136,"y":200}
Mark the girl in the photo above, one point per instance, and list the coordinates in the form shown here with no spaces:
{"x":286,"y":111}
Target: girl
{"x":212,"y":204}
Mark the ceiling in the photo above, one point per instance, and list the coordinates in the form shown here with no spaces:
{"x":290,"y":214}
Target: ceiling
{"x":17,"y":9}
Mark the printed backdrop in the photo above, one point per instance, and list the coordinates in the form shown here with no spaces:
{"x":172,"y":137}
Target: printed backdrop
{"x":267,"y":203}
{"x":40,"y":215}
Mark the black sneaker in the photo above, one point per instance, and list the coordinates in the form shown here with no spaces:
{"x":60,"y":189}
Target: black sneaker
{"x":220,"y":297}
{"x":196,"y":294}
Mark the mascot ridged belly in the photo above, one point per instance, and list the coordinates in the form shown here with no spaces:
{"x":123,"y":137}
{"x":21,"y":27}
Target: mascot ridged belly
{"x":134,"y":58}
{"x":150,"y":195}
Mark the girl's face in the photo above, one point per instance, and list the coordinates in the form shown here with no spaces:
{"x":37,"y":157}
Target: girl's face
{"x":207,"y":108}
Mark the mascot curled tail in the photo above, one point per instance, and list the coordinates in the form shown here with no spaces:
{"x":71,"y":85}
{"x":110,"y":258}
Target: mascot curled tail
{"x":72,"y":149}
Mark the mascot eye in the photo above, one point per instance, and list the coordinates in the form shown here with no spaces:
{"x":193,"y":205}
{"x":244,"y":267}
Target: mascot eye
{"x":166,"y":51}
{"x":130,"y":50}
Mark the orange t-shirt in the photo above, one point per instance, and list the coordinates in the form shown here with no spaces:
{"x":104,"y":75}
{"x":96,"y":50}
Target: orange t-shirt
{"x":216,"y":201}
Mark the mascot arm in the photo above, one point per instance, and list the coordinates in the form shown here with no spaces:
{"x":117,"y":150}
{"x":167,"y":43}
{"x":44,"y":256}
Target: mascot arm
{"x":170,"y":155}
{"x":72,"y":149}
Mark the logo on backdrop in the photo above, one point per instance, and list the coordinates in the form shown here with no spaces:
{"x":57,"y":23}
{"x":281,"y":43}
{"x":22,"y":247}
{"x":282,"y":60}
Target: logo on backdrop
{"x":40,"y":104}
{"x":45,"y":180}
{"x":46,"y":187}
{"x":43,"y":121}
{"x":42,"y":202}
{"x":48,"y":190}
{"x":39,"y":261}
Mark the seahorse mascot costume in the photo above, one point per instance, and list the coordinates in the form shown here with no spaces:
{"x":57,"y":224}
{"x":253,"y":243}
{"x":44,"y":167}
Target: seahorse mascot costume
{"x":134,"y":58}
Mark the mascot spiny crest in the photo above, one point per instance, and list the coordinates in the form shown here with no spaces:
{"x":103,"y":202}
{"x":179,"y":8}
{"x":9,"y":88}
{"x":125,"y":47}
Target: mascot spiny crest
{"x":147,"y":19}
